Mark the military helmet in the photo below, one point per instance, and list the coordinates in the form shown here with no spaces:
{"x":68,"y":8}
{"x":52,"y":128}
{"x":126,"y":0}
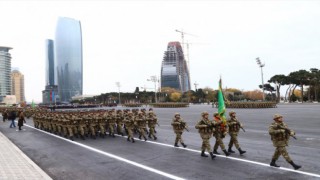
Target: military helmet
{"x":204,"y":113}
{"x":276,"y":116}
{"x":176,"y":114}
{"x":150,"y":109}
{"x":231,"y":112}
{"x":215,"y":114}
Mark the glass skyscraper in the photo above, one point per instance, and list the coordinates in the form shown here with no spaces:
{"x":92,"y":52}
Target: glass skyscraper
{"x":68,"y":58}
{"x":49,"y":62}
{"x":174,"y":69}
{"x":5,"y":71}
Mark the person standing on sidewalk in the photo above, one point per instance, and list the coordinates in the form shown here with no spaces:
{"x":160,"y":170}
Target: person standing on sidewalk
{"x":21,"y":119}
{"x":12,"y":116}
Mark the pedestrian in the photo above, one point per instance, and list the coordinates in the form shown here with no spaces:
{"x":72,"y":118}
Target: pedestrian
{"x":5,"y":115}
{"x":205,"y":128}
{"x":12,"y":116}
{"x":21,"y":119}
{"x":178,"y":127}
{"x":234,"y":127}
{"x":280,"y":135}
{"x":221,"y":130}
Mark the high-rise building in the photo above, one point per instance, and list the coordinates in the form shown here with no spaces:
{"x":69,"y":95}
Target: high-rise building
{"x":50,"y":94}
{"x":49,"y":62}
{"x":174,"y":69}
{"x":18,"y":86}
{"x":5,"y":70}
{"x":68,"y":58}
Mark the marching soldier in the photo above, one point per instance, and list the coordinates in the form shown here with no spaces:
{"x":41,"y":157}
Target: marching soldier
{"x":129,"y":122}
{"x":234,"y":127}
{"x":141,"y":124}
{"x":220,"y":133}
{"x":178,"y":127}
{"x":280,"y":134}
{"x":152,"y":121}
{"x":205,"y":128}
{"x":119,"y":121}
{"x":111,"y":122}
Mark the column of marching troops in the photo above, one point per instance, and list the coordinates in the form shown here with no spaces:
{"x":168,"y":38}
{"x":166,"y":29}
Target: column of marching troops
{"x":95,"y":123}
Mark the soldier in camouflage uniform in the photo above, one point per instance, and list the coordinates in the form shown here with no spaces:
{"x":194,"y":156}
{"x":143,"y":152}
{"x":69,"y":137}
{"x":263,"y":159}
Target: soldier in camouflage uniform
{"x":152,"y":121}
{"x":205,"y":128}
{"x":178,"y":127}
{"x":111,"y":122}
{"x":119,"y":121}
{"x":221,"y":130}
{"x":141,"y":124}
{"x":129,"y":122}
{"x":234,"y":127}
{"x":280,"y":134}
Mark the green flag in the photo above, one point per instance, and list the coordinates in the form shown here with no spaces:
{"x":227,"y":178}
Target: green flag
{"x":221,"y":106}
{"x":32,"y":104}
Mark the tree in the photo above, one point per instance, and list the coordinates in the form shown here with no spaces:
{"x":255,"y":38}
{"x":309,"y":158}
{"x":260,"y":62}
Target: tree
{"x":175,"y":96}
{"x":301,"y":78}
{"x":279,"y":80}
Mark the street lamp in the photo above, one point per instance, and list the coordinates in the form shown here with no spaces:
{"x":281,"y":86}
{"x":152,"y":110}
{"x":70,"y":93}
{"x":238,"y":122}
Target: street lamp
{"x":155,"y":80}
{"x":261,"y":66}
{"x":118,"y":85}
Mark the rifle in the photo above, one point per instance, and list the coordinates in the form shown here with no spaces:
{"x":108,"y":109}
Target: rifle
{"x":183,"y":124}
{"x":243,"y":129}
{"x":287,"y":131}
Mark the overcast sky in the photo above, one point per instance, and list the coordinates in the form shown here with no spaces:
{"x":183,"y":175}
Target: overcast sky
{"x":124,"y":41}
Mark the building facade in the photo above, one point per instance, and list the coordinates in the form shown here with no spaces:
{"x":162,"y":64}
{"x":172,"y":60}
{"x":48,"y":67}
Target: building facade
{"x":18,"y":86}
{"x":68,"y":58}
{"x":174,"y":68}
{"x":5,"y":71}
{"x":49,"y":62}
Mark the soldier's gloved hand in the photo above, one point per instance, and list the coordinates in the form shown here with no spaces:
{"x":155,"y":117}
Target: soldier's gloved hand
{"x":292,"y":133}
{"x":287,"y":131}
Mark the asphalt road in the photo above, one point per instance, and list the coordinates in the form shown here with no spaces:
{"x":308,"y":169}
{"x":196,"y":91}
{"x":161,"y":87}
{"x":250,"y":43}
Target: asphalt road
{"x":115,"y":158}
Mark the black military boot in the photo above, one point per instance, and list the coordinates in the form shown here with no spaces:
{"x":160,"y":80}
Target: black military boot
{"x":226,"y":153}
{"x":230,"y":150}
{"x":128,"y":139}
{"x":203,"y":154}
{"x":273,"y":163}
{"x":215,"y":152}
{"x":113,"y":135}
{"x":140,"y":137}
{"x":132,"y":140}
{"x":145,"y":139}
{"x":183,"y":145}
{"x":82,"y":137}
{"x":176,"y":145}
{"x":155,"y":138}
{"x":212,"y":155}
{"x":295,"y":166}
{"x":149,"y":136}
{"x":241,"y":152}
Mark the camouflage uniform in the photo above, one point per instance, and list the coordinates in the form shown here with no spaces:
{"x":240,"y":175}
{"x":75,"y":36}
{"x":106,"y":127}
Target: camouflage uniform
{"x":221,"y":130}
{"x":234,"y":127}
{"x":152,"y":121}
{"x":111,"y":123}
{"x":205,"y":128}
{"x":280,"y":134}
{"x":129,"y":122}
{"x":178,"y":127}
{"x":119,"y":121}
{"x":142,"y":126}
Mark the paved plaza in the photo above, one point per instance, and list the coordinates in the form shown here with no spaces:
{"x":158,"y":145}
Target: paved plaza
{"x":115,"y":158}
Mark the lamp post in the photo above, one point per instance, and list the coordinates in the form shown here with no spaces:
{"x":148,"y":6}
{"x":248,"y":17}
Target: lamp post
{"x":118,"y":85}
{"x":261,"y":66}
{"x":155,"y":80}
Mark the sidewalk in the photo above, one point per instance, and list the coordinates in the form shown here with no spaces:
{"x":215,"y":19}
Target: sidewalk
{"x":14,"y":164}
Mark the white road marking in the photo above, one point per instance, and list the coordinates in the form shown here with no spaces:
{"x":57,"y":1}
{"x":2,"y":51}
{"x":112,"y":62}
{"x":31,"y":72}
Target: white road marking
{"x":114,"y":156}
{"x":168,"y":145}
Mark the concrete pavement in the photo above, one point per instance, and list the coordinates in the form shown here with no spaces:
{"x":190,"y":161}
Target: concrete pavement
{"x":14,"y":164}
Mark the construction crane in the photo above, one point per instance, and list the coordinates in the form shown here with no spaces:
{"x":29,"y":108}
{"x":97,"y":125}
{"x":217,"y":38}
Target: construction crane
{"x":182,"y":42}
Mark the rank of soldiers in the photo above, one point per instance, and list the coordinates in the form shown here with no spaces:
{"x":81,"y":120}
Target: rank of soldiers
{"x":94,"y":123}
